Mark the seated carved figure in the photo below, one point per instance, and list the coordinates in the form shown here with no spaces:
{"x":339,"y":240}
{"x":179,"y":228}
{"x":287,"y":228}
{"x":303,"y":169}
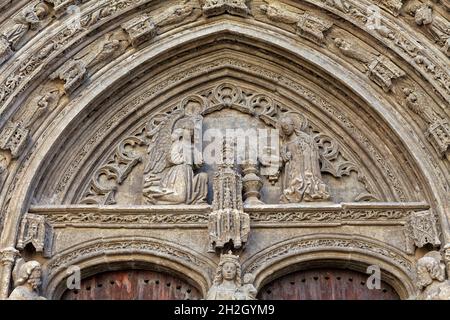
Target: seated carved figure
{"x":169,"y":175}
{"x":431,"y":278}
{"x":27,"y":282}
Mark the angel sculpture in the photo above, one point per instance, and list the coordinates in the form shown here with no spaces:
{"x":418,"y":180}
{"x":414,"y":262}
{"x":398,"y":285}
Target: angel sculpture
{"x":301,"y":180}
{"x":173,"y":154}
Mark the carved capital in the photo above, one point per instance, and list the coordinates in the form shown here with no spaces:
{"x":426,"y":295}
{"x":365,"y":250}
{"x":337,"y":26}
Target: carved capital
{"x":8,"y":255}
{"x":36,"y":231}
{"x":140,"y":29}
{"x":383,"y":71}
{"x":420,"y":229}
{"x":439,"y":136}
{"x":14,"y":137}
{"x":313,"y":28}
{"x":218,"y":7}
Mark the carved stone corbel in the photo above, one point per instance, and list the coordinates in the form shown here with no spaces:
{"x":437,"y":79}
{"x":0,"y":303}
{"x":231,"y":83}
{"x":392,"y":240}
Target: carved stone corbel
{"x":383,"y":71}
{"x":73,"y":73}
{"x":140,"y":30}
{"x":233,"y":7}
{"x":420,"y":229}
{"x":14,"y":138}
{"x":36,"y":231}
{"x":313,"y":28}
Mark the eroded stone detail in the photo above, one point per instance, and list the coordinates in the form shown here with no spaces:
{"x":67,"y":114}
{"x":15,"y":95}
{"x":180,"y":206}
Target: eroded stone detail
{"x":420,"y":230}
{"x":145,"y":27}
{"x":36,"y":231}
{"x":233,"y":7}
{"x":228,"y":225}
{"x":227,"y":283}
{"x":438,"y":132}
{"x":308,"y":25}
{"x":27,"y":280}
{"x":431,"y":278}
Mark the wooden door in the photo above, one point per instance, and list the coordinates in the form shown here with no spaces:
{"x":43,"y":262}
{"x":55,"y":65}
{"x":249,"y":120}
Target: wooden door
{"x":325,"y":284}
{"x":133,"y":285}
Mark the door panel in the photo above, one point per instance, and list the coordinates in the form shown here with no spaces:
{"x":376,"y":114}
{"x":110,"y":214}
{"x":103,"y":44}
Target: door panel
{"x":325,"y":284}
{"x":133,"y":285}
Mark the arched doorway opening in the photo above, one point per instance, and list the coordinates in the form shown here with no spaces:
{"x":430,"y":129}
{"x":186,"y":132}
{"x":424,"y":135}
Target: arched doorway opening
{"x":133,"y":285}
{"x":325,"y":284}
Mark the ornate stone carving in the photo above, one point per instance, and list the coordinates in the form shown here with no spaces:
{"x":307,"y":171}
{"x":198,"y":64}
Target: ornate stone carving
{"x":252,"y":183}
{"x":75,"y":71}
{"x":301,"y":179}
{"x":36,"y":231}
{"x":27,"y":20}
{"x":420,"y":229}
{"x":393,"y":6}
{"x":424,"y":14}
{"x":227,"y":283}
{"x":174,"y":152}
{"x":145,"y":27}
{"x":101,"y":188}
{"x":307,"y":25}
{"x":110,"y":246}
{"x":14,"y":138}
{"x":438,"y":132}
{"x":431,"y":278}
{"x":60,"y":6}
{"x":229,"y":225}
{"x":7,"y":258}
{"x":308,"y":244}
{"x":233,"y":7}
{"x":351,"y":50}
{"x":383,"y":71}
{"x":27,"y":280}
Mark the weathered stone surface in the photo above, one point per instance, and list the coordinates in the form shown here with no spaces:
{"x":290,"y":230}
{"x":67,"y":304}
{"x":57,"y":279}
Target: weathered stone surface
{"x":161,"y":135}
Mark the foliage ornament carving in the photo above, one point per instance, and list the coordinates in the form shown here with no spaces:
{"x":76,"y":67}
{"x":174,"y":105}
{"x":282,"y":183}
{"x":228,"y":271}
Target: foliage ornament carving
{"x":233,"y":7}
{"x":308,"y":25}
{"x":228,"y":284}
{"x":431,"y":278}
{"x":36,"y":231}
{"x":420,"y":229}
{"x":27,"y":280}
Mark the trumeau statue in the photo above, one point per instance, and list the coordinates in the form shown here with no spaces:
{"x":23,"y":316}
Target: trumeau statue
{"x":173,"y":154}
{"x":431,"y":278}
{"x":27,"y":277}
{"x":301,"y":179}
{"x":227,"y":282}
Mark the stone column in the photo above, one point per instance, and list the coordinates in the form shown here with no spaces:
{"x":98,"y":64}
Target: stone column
{"x":7,"y":258}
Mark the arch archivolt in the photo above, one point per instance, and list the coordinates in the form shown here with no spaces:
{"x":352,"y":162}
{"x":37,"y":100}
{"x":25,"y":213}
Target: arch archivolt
{"x":69,"y":111}
{"x":354,"y":252}
{"x":116,"y":253}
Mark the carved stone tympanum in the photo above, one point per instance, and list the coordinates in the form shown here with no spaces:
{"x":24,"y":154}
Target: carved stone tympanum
{"x":227,"y":284}
{"x":27,"y":279}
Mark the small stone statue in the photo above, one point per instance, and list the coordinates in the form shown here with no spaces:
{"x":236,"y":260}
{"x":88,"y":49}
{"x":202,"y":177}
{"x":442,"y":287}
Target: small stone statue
{"x":301,"y":180}
{"x":27,"y":276}
{"x":431,"y":278}
{"x":227,"y":282}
